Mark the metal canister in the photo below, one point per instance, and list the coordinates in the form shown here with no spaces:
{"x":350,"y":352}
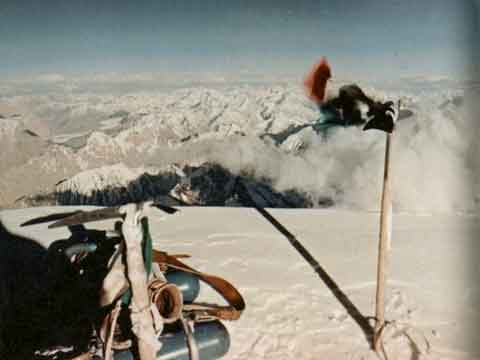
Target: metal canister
{"x":212,"y":339}
{"x":189,"y":284}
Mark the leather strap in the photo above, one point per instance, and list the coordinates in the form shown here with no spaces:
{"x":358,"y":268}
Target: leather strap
{"x":223,"y":287}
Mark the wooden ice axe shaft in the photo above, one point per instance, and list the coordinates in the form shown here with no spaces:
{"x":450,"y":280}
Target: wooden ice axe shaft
{"x":383,"y":247}
{"x":384,"y":244}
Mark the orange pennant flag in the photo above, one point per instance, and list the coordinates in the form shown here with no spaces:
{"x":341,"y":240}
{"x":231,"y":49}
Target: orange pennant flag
{"x":316,"y":81}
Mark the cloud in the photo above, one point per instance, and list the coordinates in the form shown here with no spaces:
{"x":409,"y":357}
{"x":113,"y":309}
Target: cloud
{"x":50,"y":78}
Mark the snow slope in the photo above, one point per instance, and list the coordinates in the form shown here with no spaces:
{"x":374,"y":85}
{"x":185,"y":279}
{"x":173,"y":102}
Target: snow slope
{"x":433,"y":292}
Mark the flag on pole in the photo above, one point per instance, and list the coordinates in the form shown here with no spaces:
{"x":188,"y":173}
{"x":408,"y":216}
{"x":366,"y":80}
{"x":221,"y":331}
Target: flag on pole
{"x":316,"y":81}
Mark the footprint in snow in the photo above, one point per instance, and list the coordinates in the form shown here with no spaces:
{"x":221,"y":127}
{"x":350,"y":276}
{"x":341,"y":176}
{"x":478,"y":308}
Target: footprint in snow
{"x":241,"y":265}
{"x":338,"y":316}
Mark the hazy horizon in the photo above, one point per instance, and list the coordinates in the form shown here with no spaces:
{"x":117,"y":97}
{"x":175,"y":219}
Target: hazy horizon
{"x":371,"y":39}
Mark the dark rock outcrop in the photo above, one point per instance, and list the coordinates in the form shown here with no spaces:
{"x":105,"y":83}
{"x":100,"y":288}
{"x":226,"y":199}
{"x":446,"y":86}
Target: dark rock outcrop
{"x":208,"y":184}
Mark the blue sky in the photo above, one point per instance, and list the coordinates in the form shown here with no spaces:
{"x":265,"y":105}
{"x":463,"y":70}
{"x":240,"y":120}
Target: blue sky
{"x":375,"y":38}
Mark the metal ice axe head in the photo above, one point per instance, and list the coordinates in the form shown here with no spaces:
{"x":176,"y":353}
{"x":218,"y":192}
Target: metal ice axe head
{"x":78,"y":217}
{"x":384,"y":117}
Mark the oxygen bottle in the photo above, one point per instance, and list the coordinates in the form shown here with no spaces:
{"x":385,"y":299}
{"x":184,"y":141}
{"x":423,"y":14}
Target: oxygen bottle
{"x":212,"y":339}
{"x":188,"y":284}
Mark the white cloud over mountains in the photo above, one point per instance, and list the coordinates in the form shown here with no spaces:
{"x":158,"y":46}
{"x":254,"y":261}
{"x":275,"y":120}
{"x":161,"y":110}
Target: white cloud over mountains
{"x":434,"y":151}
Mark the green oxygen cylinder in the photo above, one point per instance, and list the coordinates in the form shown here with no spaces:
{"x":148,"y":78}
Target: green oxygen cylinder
{"x":212,"y":339}
{"x":188,"y":284}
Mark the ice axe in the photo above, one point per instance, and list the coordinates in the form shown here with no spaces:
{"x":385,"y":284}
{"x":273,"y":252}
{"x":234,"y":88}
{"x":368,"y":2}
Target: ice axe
{"x":81,"y":217}
{"x":384,"y":121}
{"x":383,"y":117}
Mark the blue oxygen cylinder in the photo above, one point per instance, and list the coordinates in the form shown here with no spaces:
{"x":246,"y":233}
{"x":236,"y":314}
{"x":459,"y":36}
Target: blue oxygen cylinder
{"x":187,"y":283}
{"x":211,"y":337}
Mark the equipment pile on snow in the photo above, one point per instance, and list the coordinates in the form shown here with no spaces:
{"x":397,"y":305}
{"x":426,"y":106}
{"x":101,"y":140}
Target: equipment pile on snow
{"x":133,"y":302}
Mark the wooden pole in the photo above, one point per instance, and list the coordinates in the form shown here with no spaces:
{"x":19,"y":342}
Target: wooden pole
{"x":142,"y":321}
{"x":383,"y":248}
